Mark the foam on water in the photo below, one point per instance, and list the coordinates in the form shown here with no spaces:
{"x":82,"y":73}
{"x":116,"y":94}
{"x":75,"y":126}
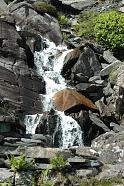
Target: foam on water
{"x":49,"y":63}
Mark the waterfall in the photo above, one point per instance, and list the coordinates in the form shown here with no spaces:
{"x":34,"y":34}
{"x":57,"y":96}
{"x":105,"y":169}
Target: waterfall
{"x":49,"y":63}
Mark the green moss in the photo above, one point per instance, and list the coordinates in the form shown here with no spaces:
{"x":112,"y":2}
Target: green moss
{"x":109,"y":29}
{"x":42,"y":7}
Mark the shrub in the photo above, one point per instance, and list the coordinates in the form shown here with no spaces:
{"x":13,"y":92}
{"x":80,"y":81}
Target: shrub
{"x":42,"y":7}
{"x":109,"y":29}
{"x":19,"y":163}
{"x":84,"y":27}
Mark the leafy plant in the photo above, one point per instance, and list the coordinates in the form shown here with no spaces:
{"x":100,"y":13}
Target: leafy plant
{"x":109,"y":29}
{"x":42,"y":7}
{"x":19,"y":163}
{"x":58,"y":162}
{"x":63,"y":20}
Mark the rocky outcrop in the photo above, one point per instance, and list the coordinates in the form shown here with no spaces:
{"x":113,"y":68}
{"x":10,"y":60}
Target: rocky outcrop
{"x":19,"y":85}
{"x":29,"y":21}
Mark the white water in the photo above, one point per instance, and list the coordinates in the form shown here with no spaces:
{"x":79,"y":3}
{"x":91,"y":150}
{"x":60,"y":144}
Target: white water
{"x":49,"y":63}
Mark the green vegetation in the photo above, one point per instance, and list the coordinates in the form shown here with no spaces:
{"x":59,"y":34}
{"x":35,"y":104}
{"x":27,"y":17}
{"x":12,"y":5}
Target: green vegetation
{"x":104,"y":182}
{"x":19,"y":163}
{"x":42,"y":7}
{"x":5,"y":184}
{"x":109,"y":29}
{"x":85,"y":25}
{"x":58,"y":162}
{"x":63,"y":21}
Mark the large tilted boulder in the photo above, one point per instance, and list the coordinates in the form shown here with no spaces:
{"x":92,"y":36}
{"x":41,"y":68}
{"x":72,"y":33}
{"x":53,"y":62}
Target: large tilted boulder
{"x":68,"y":98}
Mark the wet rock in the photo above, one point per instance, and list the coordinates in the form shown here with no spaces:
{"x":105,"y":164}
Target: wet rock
{"x":67,"y":98}
{"x":87,"y":63}
{"x":70,"y":60}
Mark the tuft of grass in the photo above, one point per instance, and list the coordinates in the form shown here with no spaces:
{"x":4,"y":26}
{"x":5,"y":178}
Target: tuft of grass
{"x":58,"y":162}
{"x":20,"y":163}
{"x":63,"y":20}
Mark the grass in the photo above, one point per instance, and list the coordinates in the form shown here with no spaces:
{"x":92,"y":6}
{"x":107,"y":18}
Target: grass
{"x":19,"y":163}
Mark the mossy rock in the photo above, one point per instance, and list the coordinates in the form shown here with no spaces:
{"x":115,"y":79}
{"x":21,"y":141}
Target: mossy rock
{"x":42,"y":8}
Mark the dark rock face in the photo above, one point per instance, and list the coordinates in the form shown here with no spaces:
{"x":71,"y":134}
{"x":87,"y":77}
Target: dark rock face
{"x":73,"y":6}
{"x":31,"y":22}
{"x":87,"y":63}
{"x":19,"y":85}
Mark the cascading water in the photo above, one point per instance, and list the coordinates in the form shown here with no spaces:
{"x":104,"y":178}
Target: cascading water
{"x":49,"y":63}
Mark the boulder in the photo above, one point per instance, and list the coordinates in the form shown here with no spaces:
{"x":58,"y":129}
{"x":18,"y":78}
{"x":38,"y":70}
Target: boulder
{"x":68,"y":98}
{"x":27,"y":19}
{"x":110,"y":147}
{"x":70,"y":60}
{"x":87,"y":63}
